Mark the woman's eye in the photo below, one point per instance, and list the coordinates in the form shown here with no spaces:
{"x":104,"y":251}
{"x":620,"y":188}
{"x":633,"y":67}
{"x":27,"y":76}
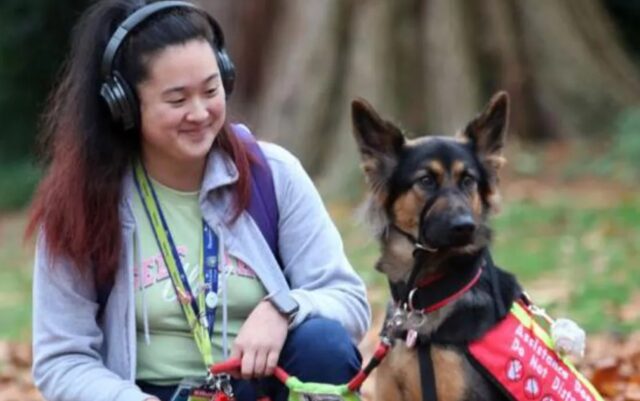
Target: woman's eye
{"x":212,"y":91}
{"x":175,"y":102}
{"x":468,"y":182}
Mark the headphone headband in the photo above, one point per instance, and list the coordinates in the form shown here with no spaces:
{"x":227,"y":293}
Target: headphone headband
{"x":136,"y":18}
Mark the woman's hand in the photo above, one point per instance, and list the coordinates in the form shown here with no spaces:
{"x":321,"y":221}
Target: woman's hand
{"x":260,"y":341}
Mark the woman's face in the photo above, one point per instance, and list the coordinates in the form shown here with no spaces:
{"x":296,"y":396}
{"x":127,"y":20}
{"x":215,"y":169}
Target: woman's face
{"x":182,"y":103}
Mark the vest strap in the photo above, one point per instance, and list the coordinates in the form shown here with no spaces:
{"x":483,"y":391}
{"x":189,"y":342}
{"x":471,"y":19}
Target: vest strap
{"x":427,"y":374}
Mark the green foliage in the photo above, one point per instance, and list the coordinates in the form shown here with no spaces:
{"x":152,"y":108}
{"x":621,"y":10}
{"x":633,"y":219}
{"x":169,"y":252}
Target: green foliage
{"x":33,"y":40}
{"x":17,"y":183}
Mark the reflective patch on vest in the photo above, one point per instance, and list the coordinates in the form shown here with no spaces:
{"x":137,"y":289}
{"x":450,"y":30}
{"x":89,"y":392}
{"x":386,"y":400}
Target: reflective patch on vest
{"x":517,"y":354}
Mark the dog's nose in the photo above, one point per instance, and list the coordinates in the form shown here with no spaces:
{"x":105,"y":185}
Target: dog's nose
{"x":463,"y":225}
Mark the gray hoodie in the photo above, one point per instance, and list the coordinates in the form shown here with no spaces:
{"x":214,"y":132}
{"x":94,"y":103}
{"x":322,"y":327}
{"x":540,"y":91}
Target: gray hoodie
{"x":77,"y":358}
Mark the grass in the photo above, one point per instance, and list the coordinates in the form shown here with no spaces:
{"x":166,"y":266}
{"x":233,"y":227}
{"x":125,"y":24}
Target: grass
{"x":590,"y":255}
{"x":15,"y":279}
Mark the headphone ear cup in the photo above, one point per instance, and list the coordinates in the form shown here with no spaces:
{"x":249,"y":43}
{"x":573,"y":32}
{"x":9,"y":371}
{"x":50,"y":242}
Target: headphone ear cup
{"x":120,"y":99}
{"x":128,"y":102}
{"x":227,"y":70}
{"x":108,"y":94}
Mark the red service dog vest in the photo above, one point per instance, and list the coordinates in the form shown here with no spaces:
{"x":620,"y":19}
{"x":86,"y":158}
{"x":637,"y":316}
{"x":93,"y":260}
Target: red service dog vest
{"x":518,"y":355}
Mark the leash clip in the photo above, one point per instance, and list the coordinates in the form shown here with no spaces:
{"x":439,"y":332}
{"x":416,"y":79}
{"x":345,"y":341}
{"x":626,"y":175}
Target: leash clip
{"x":399,"y":319}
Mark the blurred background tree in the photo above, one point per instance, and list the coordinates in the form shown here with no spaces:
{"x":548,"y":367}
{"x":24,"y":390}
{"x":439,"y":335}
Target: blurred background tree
{"x":34,"y":36}
{"x":430,"y":64}
{"x":568,"y":65}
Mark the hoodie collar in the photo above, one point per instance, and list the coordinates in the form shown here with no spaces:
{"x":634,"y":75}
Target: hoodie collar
{"x":220,"y":171}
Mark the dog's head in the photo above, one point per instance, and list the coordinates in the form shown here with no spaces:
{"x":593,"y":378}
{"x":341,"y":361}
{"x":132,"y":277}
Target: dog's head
{"x":439,"y":190}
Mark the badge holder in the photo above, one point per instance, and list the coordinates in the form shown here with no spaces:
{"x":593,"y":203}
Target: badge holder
{"x":213,"y":388}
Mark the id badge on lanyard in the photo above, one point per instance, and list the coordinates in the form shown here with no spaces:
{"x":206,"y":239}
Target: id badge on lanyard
{"x":217,"y":388}
{"x":199,"y":310}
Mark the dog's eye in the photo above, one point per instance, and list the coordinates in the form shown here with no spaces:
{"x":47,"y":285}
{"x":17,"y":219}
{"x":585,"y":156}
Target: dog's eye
{"x":428,"y":181}
{"x":468,"y":182}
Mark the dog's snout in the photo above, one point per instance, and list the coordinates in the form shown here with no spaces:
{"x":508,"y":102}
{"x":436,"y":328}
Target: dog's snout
{"x":463,"y":225}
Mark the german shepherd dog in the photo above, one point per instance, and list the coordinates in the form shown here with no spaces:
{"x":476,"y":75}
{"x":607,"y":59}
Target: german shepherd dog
{"x":429,"y":202}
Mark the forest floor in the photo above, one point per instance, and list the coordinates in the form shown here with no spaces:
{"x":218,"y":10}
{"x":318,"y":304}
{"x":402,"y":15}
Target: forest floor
{"x":569,"y":229}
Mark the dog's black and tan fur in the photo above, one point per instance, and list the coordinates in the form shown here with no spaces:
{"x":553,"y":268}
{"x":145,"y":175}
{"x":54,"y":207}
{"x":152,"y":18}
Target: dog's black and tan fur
{"x":457,"y":178}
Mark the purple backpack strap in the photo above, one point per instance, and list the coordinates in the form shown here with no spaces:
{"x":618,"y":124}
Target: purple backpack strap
{"x":263,"y":206}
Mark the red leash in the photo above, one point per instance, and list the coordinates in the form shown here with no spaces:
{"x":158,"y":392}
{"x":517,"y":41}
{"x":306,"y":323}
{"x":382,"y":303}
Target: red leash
{"x":381,"y":351}
{"x":233,"y":365}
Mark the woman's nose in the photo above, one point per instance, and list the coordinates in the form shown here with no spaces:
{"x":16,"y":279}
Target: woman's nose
{"x":198,"y":111}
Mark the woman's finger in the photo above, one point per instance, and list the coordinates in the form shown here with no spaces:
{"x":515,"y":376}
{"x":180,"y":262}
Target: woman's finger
{"x":260,"y":364}
{"x":248,"y":363}
{"x":272,"y":362}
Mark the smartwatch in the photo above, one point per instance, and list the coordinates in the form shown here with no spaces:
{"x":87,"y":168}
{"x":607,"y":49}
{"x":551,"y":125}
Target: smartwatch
{"x":284,"y":303}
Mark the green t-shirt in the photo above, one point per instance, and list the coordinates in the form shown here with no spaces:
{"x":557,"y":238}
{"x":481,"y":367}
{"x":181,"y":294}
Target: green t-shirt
{"x":172,"y":353}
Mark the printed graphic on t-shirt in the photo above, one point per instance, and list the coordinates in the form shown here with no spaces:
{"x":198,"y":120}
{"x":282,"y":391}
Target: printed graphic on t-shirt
{"x":154,"y":271}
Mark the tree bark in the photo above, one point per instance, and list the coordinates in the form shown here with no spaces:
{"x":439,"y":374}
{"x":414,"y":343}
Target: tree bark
{"x":429,"y":64}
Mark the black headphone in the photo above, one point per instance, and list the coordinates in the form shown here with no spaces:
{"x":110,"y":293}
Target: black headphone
{"x":118,"y":94}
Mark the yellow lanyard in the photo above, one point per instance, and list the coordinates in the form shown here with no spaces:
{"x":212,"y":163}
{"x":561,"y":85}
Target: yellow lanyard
{"x":196,"y":313}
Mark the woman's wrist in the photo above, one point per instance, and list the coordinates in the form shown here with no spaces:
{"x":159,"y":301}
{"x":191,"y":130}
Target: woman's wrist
{"x":284,"y":303}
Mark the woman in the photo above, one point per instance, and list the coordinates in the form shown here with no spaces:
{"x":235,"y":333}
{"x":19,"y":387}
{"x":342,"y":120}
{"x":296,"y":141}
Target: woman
{"x":148,"y":266}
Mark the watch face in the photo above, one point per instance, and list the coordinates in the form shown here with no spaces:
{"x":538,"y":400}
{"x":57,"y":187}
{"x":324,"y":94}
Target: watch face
{"x":285,"y":303}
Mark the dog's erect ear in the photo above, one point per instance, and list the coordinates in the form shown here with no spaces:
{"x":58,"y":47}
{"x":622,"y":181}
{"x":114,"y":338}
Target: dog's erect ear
{"x":372,"y":133}
{"x":488,"y":131}
{"x":379,"y":142}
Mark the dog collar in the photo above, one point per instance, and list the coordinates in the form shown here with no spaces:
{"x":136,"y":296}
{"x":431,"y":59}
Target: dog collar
{"x":434,"y":292}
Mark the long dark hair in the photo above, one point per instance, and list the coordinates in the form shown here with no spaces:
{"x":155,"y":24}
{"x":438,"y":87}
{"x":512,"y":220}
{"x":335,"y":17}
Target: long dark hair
{"x":77,"y":202}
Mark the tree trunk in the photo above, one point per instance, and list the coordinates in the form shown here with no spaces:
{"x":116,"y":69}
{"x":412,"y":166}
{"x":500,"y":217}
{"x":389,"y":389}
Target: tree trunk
{"x":429,"y":64}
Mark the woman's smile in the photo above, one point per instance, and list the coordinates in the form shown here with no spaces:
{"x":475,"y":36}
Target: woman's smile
{"x":197,"y":133}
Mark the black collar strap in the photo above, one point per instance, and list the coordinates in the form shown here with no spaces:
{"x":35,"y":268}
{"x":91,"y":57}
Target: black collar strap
{"x":434,"y":292}
{"x":417,"y":245}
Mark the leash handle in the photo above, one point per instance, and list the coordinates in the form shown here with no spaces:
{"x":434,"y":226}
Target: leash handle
{"x":228,"y":366}
{"x":233,"y":364}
